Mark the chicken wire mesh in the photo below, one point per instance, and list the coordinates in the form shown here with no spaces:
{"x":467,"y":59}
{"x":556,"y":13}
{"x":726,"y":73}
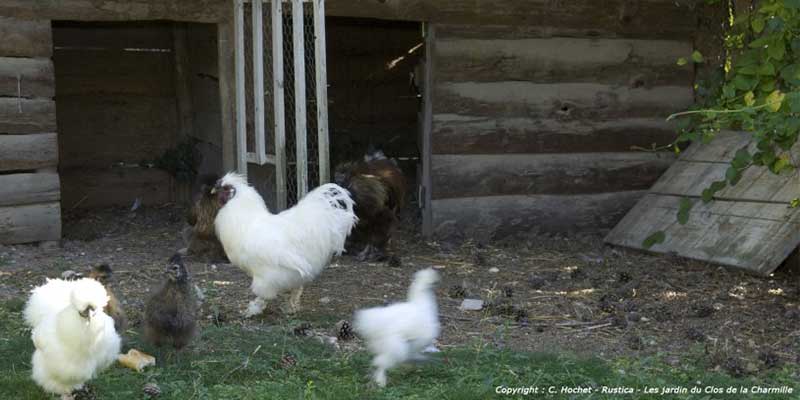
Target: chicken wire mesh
{"x":312,"y":147}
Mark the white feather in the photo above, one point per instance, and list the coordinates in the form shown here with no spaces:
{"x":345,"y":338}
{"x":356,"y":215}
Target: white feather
{"x":283,"y":251}
{"x":401,"y":331}
{"x":70,"y":349}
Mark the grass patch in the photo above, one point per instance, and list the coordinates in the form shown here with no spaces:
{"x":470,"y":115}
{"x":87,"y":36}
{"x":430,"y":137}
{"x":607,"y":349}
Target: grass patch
{"x":236,"y":362}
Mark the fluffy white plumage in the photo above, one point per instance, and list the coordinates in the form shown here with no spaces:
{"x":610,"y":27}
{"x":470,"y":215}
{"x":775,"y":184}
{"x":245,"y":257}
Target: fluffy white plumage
{"x":282,"y":251}
{"x":399,"y":332}
{"x":71,"y":348}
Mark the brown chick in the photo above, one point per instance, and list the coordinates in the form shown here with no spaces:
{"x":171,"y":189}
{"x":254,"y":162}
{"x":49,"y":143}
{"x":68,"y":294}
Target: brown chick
{"x":170,"y":314}
{"x":104,"y":274}
{"x":202,"y":238}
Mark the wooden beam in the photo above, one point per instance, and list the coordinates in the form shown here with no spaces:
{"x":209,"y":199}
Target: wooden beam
{"x":300,"y":115}
{"x":29,"y":188}
{"x":648,"y":18}
{"x":426,"y":131}
{"x":321,"y":85}
{"x":30,"y":223}
{"x":26,"y":77}
{"x":117,"y":10}
{"x":627,"y":62}
{"x":241,"y":105}
{"x":26,"y":152}
{"x":227,"y":93}
{"x":105,"y":187}
{"x":24,"y":38}
{"x":279,"y":110}
{"x":527,"y":174}
{"x":458,"y":134}
{"x":18,"y":115}
{"x":495,"y":217}
{"x":565,"y":101}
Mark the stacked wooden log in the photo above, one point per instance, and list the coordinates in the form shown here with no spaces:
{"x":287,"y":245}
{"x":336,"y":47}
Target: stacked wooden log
{"x":30,"y":209}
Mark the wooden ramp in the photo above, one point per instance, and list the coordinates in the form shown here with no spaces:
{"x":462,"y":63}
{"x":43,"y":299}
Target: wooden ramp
{"x":748,"y":226}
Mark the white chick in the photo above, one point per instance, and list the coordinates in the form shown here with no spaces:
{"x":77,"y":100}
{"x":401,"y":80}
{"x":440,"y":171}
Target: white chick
{"x":73,"y":337}
{"x":401,"y":331}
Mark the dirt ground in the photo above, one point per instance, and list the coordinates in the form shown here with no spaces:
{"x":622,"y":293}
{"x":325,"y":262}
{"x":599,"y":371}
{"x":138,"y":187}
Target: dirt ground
{"x":542,"y":294}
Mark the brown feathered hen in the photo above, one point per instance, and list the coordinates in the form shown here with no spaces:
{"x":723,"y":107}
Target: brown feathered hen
{"x":200,"y":234}
{"x":378,"y":187}
{"x":170,"y":314}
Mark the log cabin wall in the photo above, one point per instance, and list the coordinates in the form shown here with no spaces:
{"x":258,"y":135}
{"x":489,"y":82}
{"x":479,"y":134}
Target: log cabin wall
{"x":534,"y":127}
{"x":30,"y":192}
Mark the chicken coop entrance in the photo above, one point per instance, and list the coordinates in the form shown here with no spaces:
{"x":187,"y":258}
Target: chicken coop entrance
{"x":138,"y":110}
{"x":375,"y":76}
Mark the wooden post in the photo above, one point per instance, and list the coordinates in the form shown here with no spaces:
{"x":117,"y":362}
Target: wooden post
{"x":278,"y":104}
{"x":258,"y":80}
{"x":227,"y":92}
{"x":321,"y":67}
{"x":241,"y":115}
{"x":427,"y":127}
{"x":301,"y":134}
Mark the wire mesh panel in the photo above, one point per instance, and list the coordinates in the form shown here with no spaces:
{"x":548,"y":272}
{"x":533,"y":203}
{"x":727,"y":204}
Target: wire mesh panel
{"x":291,"y":110}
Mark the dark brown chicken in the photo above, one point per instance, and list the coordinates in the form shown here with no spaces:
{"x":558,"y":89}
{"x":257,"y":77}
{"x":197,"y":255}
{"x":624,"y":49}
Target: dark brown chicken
{"x":200,"y":234}
{"x":378,"y":187}
{"x":170,"y":314}
{"x":104,"y":274}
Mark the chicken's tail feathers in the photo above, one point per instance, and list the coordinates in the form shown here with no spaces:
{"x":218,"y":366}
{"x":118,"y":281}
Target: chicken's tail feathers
{"x":341,"y":216}
{"x":367,"y":323}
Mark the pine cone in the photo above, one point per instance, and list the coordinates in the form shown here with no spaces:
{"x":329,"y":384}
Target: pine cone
{"x":151,"y":390}
{"x":287,"y":361}
{"x":344,"y":331}
{"x":457,"y":292}
{"x":303,"y":329}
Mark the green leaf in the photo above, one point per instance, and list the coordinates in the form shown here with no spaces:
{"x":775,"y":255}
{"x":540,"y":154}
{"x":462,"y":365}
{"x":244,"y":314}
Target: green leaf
{"x":742,"y":158}
{"x":795,"y":202}
{"x":654,"y":239}
{"x":743,"y":83}
{"x":781,"y":164}
{"x":775,"y":100}
{"x":791,"y":4}
{"x":697,"y":57}
{"x":776,"y":50}
{"x":729,"y":91}
{"x":758,"y":24}
{"x":767,"y":69}
{"x":733,"y":175}
{"x":683,"y":210}
{"x":682,"y":61}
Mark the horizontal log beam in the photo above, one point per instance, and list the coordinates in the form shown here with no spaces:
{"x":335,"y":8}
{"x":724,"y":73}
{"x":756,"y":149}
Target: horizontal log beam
{"x":20,"y":115}
{"x":628,"y":62}
{"x":496,"y":217}
{"x":26,"y":152}
{"x":30,"y":223}
{"x":24,"y":38}
{"x":566,"y":101}
{"x":118,"y":10}
{"x":457,"y":134}
{"x":27,"y":77}
{"x":29,"y":188}
{"x":527,"y":174}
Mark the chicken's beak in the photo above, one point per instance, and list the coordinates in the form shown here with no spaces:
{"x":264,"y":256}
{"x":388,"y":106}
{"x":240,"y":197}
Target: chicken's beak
{"x":88,"y":313}
{"x":215,"y":189}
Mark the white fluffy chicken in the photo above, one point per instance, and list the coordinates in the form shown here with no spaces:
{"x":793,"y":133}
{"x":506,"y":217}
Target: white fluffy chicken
{"x":401,"y":331}
{"x":73,"y":337}
{"x":281,"y":251}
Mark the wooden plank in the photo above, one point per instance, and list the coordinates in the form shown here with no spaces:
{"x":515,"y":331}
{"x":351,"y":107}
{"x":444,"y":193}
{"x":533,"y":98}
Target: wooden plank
{"x":227,"y":93}
{"x":29,"y":188}
{"x":94,"y":187}
{"x":720,"y":150}
{"x":24,"y":38}
{"x":460,"y":134}
{"x":281,"y":192}
{"x":26,"y":77}
{"x":742,"y":234}
{"x":25,"y":152}
{"x":495,"y":217}
{"x":30,"y":223}
{"x":117,"y":10}
{"x":565,"y":101}
{"x":426,"y":120}
{"x":258,"y":80}
{"x":321,"y":86}
{"x":144,"y":35}
{"x":300,"y":114}
{"x":92,"y":72}
{"x":649,"y":18}
{"x":240,"y":101}
{"x":526,"y":174}
{"x":18,"y":115}
{"x":629,"y":62}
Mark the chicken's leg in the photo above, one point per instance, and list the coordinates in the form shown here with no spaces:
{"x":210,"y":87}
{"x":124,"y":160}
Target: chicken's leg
{"x":67,"y":396}
{"x":255,"y":307}
{"x":294,"y":300}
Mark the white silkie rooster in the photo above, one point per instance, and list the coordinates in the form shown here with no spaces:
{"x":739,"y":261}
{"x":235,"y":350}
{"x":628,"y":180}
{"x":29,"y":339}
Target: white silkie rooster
{"x":73,"y":337}
{"x":401,"y":331}
{"x":281,"y":251}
